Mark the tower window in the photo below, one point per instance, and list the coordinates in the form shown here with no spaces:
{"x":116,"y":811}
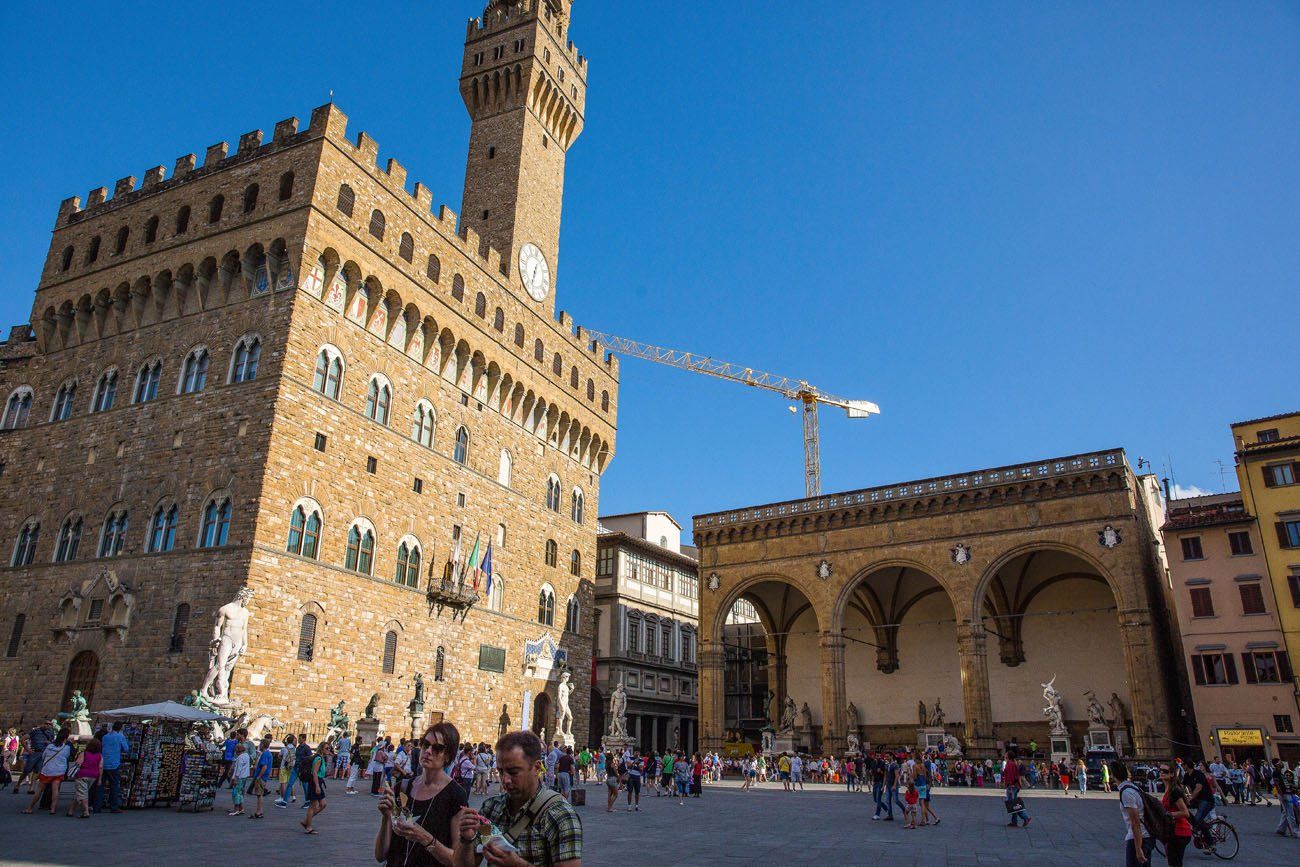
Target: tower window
{"x":546,"y":142}
{"x":407,"y":247}
{"x":183,"y":220}
{"x":498,"y":52}
{"x":377,"y":224}
{"x":151,"y":230}
{"x":487,"y":214}
{"x":492,"y":152}
{"x":214,"y":208}
{"x":520,"y":45}
{"x":67,"y":259}
{"x":478,"y":59}
{"x":250,"y":198}
{"x":346,"y":199}
{"x":286,"y":186}
{"x":122,"y":235}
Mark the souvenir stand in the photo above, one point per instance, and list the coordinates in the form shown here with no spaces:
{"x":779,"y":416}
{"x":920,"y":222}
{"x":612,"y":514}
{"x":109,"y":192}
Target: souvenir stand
{"x":166,"y":766}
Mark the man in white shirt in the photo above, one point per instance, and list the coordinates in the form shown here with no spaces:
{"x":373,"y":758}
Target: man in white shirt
{"x":1219,"y":771}
{"x":796,"y":772}
{"x":1137,"y":846}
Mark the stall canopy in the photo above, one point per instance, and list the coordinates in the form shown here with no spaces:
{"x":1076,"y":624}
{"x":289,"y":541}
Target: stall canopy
{"x":163,"y":710}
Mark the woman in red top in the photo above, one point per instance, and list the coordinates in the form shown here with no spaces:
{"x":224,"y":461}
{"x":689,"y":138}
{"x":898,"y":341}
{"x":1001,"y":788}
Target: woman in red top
{"x":697,"y":775}
{"x":1175,"y":801}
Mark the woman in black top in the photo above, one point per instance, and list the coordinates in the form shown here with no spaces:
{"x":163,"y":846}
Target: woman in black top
{"x":424,"y":838}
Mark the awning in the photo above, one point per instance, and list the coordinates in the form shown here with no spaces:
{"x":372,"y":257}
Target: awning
{"x":168,"y":710}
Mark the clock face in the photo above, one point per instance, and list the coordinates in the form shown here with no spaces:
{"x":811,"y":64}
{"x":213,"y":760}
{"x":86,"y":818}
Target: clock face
{"x":534,"y":271}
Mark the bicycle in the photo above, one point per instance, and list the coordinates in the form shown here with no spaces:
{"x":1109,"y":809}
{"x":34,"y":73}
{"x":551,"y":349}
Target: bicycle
{"x":1222,"y":837}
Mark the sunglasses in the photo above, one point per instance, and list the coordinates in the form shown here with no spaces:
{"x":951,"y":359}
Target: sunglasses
{"x":435,"y":748}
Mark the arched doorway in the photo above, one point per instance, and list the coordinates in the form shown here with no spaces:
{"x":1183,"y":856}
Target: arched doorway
{"x":541,"y":722}
{"x":82,"y":674}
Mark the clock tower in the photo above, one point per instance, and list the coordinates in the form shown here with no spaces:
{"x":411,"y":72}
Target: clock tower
{"x":525,"y":87}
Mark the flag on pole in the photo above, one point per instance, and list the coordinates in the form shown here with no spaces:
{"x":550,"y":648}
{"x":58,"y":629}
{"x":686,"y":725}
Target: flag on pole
{"x":471,"y":568}
{"x":486,"y":569}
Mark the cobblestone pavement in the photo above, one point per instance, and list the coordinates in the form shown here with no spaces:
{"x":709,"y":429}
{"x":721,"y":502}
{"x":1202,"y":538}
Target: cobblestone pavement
{"x":823,"y":825}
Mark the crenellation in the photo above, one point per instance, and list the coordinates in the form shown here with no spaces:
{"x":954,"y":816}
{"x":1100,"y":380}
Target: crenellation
{"x":215,"y":154}
{"x":284,"y":130}
{"x":396,"y":174}
{"x":124,"y":186}
{"x":67,"y":208}
{"x":97,"y":196}
{"x":423,"y":198}
{"x":368,"y":148}
{"x":448,"y":218}
{"x":249,"y":141}
{"x":329,"y":121}
{"x":184,"y":165}
{"x":154,"y":177}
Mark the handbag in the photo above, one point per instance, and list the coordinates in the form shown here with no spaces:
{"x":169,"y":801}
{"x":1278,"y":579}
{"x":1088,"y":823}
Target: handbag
{"x":1015,"y":805}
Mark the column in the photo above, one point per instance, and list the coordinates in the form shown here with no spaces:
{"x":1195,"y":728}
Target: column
{"x":709,"y":663}
{"x":1146,"y":676}
{"x":833,"y":702}
{"x":972,"y":649}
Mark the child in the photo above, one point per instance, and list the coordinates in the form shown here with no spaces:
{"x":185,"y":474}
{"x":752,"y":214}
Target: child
{"x":910,"y":798}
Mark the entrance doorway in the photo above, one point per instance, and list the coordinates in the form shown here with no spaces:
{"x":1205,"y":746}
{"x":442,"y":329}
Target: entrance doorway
{"x":541,"y":715}
{"x":82,"y":673}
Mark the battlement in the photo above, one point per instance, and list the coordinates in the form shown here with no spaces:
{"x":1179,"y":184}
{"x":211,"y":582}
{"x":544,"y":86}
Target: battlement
{"x":504,"y":14}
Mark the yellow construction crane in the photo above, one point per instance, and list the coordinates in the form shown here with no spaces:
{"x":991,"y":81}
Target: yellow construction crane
{"x":790,"y":389}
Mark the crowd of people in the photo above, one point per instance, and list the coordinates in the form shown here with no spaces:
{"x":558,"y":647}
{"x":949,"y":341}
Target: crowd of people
{"x":44,"y":758}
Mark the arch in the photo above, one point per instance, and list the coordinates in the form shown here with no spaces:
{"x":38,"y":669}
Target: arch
{"x":18,"y":408}
{"x":245,"y":358}
{"x":424,"y":423}
{"x":460,"y":450}
{"x":379,"y":398}
{"x":546,"y":605}
{"x":406,"y":247}
{"x":328,"y":375}
{"x":194,"y":372}
{"x":409,"y":555}
{"x":378,"y":224}
{"x":305,"y":524}
{"x":346,"y":200}
{"x":214,"y":528}
{"x":361,"y":541}
{"x":981,"y":589}
{"x":83,"y":674}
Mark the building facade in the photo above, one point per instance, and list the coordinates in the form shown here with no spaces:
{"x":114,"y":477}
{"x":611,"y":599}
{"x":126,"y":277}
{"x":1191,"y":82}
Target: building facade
{"x":647,"y":610}
{"x":967,"y":592}
{"x":1232,"y":638}
{"x":283,"y":371}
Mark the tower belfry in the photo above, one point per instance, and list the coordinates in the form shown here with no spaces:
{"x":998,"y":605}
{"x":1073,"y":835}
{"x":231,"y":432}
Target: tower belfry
{"x":525,"y":86}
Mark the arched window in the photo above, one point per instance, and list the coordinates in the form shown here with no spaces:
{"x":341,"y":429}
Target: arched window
{"x":307,"y":638}
{"x":480,"y":305}
{"x":16,"y":635}
{"x":180,"y":624}
{"x":504,"y":468}
{"x":576,"y":511}
{"x":25,"y":547}
{"x":162,"y":530}
{"x":347,"y":199}
{"x":216,"y":524}
{"x":501,"y":535}
{"x":361,"y":549}
{"x":69,"y":540}
{"x":604,"y":401}
{"x":214,"y":208}
{"x":458,"y":288}
{"x":183,"y":220}
{"x":248,"y":352}
{"x":591,"y":389}
{"x":146,"y":382}
{"x":546,"y":606}
{"x":329,"y":372}
{"x":552,"y":552}
{"x":304,"y":530}
{"x":575,"y":563}
{"x":408,"y":564}
{"x":423,"y":423}
{"x":18,"y":409}
{"x":151,"y":230}
{"x":571,"y":612}
{"x":286,"y":186}
{"x":557,"y":365}
{"x":573,"y":377}
{"x":92,"y":252}
{"x":434,"y":268}
{"x":194,"y":375}
{"x":379,"y":398}
{"x":499,"y":320}
{"x":105,"y":392}
{"x":497,"y":594}
{"x":377,"y":223}
{"x":67,"y":259}
{"x":519,"y":335}
{"x":440,"y":663}
{"x":406,"y":248}
{"x":250,"y":198}
{"x":123,"y":234}
{"x":553,"y":493}
{"x":113,"y":536}
{"x":461,"y":452}
{"x":390,"y":651}
{"x":63,"y":401}
{"x":539,"y":351}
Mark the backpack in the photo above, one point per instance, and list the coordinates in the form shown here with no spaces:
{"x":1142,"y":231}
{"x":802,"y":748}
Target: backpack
{"x":1155,"y":818}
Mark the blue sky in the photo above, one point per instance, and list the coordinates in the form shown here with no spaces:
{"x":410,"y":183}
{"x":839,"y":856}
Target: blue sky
{"x":1025,"y":229}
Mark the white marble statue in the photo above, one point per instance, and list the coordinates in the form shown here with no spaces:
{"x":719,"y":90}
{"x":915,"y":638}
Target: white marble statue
{"x":229,"y":641}
{"x":852,"y":718}
{"x":855,"y":745}
{"x":788,"y":713}
{"x":951,"y":746}
{"x":1096,"y":713}
{"x":618,"y":712}
{"x":260,"y":725}
{"x":805,"y":716}
{"x":1055,"y":716}
{"x":564,"y":714}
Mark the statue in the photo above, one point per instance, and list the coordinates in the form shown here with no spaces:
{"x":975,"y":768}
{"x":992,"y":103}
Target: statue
{"x":787,"y":716}
{"x":372,"y":706}
{"x":261,"y":724}
{"x":79,"y":712}
{"x":1096,"y":713}
{"x":769,"y":705}
{"x":805,"y":717}
{"x":851,"y":717}
{"x":338,"y":719}
{"x":563,"y":713}
{"x":937,"y":716}
{"x":921,"y":714}
{"x":855,"y":745}
{"x":951,"y":746}
{"x":229,"y":641}
{"x":618,"y":712}
{"x":1117,"y":718}
{"x":417,"y":704}
{"x":1053,"y":712}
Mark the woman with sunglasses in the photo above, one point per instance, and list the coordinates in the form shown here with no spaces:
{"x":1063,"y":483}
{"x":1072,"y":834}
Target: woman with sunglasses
{"x":1175,"y":802}
{"x":424,"y":838}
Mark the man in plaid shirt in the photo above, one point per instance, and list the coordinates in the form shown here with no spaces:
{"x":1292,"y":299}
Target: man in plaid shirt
{"x":542,"y":825}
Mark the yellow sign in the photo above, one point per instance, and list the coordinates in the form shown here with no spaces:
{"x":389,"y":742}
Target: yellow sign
{"x":1241,"y":738}
{"x":737,"y":750}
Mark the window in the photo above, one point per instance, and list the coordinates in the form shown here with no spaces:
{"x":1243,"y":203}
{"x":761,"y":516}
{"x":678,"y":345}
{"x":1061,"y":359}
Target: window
{"x":250,"y":198}
{"x":571,"y":612}
{"x":63,"y":401}
{"x":461,"y":452}
{"x":194,"y":375}
{"x":1240,"y":543}
{"x":183,"y":220}
{"x":604,"y":401}
{"x":286,"y":186}
{"x":67,"y":259}
{"x":25,"y":548}
{"x":105,"y":392}
{"x":123,"y":234}
{"x":422,"y":425}
{"x":214,"y":208}
{"x":434,"y":269}
{"x":361,"y":549}
{"x":1281,"y":721}
{"x":553,"y":494}
{"x":439,"y":663}
{"x":406,"y":247}
{"x":575,"y":562}
{"x":372,"y":465}
{"x":329,"y":373}
{"x":1202,"y":603}
{"x":377,"y":224}
{"x":519,"y":335}
{"x":390,"y":652}
{"x":92,"y":252}
{"x":18,"y":409}
{"x":552,"y":552}
{"x":379,"y":396}
{"x":458,"y":288}
{"x":1279,"y":474}
{"x":16,"y":637}
{"x":408,"y":564}
{"x":151,"y":230}
{"x":578,"y":507}
{"x":499,"y":320}
{"x":1293,"y":583}
{"x":666,"y":643}
{"x":347,"y":199}
{"x":480,"y":305}
{"x":606,"y":559}
{"x":505,"y":467}
{"x":539,"y":351}
{"x":180,"y":623}
{"x":591,"y":389}
{"x":546,"y":606}
{"x":1214,"y":669}
{"x":248,"y":352}
{"x":557,"y":365}
{"x":304,"y":531}
{"x":688,"y":648}
{"x":1267,"y":666}
{"x":1192,"y":548}
{"x":216,"y":524}
{"x":1288,"y":533}
{"x":573,"y":377}
{"x":162,"y":530}
{"x":113,"y":536}
{"x":1268,"y":436}
{"x":633,"y":634}
{"x":69,"y":540}
{"x":1252,"y":599}
{"x":146,"y":382}
{"x":501,"y":535}
{"x":307,"y":638}
{"x":418,"y":485}
{"x":320,"y":442}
